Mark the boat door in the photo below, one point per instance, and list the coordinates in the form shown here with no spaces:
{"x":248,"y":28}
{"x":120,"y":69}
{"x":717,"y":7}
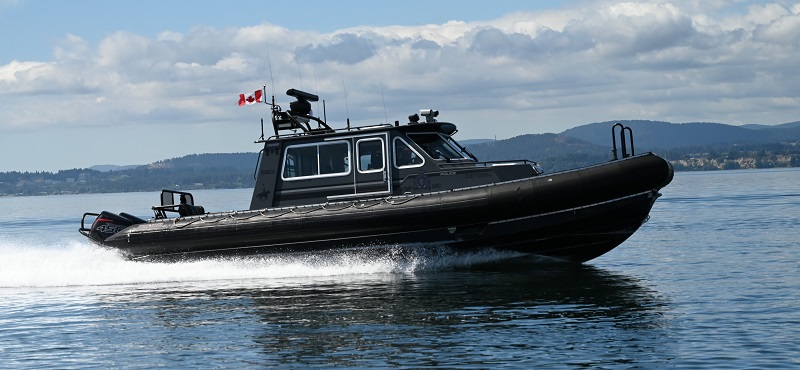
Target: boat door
{"x":372,"y":174}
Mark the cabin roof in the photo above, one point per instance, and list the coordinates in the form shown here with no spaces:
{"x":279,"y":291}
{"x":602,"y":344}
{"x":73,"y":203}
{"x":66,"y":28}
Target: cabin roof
{"x":441,"y":127}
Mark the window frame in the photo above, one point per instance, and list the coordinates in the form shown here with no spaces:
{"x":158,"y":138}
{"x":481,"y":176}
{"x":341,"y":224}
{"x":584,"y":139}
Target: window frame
{"x":394,"y":154}
{"x":318,"y":175}
{"x":383,"y":155}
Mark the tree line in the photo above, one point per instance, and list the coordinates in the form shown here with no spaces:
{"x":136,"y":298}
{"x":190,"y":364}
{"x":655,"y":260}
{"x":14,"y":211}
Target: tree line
{"x":553,"y":152}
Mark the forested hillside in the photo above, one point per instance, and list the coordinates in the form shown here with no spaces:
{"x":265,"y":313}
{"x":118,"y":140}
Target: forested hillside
{"x":706,"y":146}
{"x":654,"y":135}
{"x":196,"y":171}
{"x":553,"y":152}
{"x":689,"y":146}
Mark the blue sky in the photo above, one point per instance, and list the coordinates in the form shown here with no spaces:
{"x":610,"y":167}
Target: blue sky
{"x":38,"y":25}
{"x":84,"y":83}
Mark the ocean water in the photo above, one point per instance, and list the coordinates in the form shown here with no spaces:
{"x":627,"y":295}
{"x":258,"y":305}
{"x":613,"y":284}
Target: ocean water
{"x":711,"y":281}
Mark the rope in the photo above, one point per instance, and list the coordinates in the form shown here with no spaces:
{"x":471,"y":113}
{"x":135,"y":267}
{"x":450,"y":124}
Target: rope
{"x":263,"y":213}
{"x":307,"y":212}
{"x":363,"y":206}
{"x":351,"y":205}
{"x":391,"y":201}
{"x":175,"y":223}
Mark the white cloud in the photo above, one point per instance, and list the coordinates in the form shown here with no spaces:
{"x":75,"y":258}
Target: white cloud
{"x":234,"y":62}
{"x":524,"y":72}
{"x":72,"y":47}
{"x":765,"y":14}
{"x":9,"y":72}
{"x":783,"y":29}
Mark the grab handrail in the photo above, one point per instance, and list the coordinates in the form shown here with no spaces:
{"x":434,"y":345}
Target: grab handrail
{"x":622,"y":140}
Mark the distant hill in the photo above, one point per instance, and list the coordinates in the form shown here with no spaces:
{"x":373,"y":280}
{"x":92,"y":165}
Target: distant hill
{"x":689,"y":146}
{"x":474,"y":141}
{"x":196,"y":171}
{"x":111,"y":167}
{"x":654,"y":135}
{"x":206,"y":160}
{"x":795,"y":124}
{"x":553,"y":152}
{"x":236,"y":161}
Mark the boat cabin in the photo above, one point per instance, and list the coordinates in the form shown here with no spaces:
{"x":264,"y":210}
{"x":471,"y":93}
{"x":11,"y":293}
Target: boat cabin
{"x":307,"y":162}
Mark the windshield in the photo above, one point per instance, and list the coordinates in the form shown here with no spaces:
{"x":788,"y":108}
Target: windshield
{"x":436,"y":146}
{"x":464,"y":152}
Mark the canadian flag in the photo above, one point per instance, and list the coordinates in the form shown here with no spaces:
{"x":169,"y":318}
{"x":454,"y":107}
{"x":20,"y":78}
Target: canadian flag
{"x":252,"y":99}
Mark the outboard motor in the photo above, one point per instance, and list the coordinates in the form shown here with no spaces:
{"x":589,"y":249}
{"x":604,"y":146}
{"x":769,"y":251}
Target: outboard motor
{"x":105,"y":224}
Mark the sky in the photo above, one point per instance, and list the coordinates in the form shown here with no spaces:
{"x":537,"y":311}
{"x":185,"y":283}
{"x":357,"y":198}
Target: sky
{"x":86,"y":83}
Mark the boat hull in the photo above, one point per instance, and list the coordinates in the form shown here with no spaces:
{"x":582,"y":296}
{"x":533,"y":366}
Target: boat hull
{"x":573,"y":215}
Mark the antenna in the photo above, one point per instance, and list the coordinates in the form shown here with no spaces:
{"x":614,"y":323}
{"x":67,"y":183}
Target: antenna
{"x":271,"y":80}
{"x":298,"y":72}
{"x":346,"y":108}
{"x":386,"y":117}
{"x":316,"y":88}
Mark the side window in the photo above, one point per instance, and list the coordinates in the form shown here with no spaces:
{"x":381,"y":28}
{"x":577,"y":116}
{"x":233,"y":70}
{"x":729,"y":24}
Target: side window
{"x":334,"y":158}
{"x":328,"y":159}
{"x":301,"y":161}
{"x":405,"y":156}
{"x":370,"y":155}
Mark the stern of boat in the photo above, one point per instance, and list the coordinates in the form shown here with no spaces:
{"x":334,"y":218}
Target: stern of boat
{"x":105,"y":224}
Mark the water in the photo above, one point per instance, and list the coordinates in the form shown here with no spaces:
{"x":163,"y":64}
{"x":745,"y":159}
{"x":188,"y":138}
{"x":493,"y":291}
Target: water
{"x":712,"y":281}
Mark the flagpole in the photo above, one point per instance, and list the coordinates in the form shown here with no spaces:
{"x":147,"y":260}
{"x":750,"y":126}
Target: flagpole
{"x":264,"y":94}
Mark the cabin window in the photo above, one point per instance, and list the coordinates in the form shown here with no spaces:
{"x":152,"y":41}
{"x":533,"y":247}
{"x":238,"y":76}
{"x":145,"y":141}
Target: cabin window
{"x":370,"y":155}
{"x":320,"y":160}
{"x":461,"y":149}
{"x":436,"y":146}
{"x":405,"y":156}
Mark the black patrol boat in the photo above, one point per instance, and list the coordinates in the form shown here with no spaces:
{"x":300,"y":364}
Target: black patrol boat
{"x":319,"y":188}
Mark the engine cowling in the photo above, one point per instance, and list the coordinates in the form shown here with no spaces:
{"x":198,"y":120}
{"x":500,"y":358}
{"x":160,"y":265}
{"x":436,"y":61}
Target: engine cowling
{"x":105,"y":224}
